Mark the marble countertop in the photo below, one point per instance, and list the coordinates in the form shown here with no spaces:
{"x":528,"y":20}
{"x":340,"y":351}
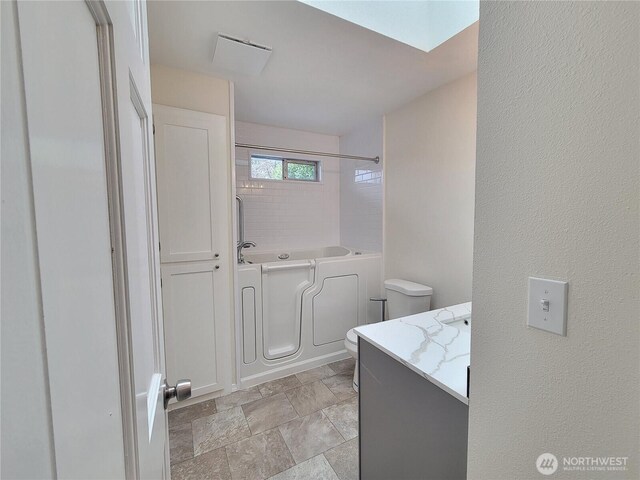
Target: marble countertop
{"x":432,"y":349}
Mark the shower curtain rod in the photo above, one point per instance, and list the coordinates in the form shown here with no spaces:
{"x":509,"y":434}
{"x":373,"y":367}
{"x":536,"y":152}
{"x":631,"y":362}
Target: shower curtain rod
{"x":308,"y":152}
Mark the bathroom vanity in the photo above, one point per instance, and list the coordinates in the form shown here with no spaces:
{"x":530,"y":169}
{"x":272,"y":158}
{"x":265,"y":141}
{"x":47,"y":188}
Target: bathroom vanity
{"x":413,"y":396}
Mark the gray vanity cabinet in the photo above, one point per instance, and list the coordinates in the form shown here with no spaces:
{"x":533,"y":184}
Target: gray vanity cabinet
{"x":409,"y":427}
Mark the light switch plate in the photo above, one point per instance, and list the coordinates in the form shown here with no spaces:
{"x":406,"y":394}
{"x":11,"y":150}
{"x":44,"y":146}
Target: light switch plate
{"x":548,"y":305}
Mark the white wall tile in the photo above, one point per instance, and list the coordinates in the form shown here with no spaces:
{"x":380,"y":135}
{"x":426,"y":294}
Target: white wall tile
{"x":289,"y":214}
{"x":361,"y":188}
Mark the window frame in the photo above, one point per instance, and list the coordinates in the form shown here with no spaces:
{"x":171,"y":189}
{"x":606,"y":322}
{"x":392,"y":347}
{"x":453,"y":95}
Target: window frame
{"x":285,"y":168}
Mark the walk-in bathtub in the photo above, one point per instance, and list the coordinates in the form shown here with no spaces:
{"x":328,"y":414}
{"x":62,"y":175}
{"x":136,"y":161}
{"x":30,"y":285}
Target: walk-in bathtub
{"x":295,"y":308}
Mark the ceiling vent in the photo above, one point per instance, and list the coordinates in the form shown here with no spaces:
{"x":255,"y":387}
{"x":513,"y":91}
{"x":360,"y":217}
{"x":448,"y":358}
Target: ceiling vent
{"x":240,"y":56}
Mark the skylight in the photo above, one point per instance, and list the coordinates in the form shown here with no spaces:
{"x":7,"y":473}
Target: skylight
{"x":421,"y":24}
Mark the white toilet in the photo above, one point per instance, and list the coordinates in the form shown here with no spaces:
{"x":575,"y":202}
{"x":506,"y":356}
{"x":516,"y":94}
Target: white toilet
{"x":403,"y":298}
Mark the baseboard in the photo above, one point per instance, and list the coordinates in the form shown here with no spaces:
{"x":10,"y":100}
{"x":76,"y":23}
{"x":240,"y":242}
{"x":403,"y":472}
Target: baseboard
{"x":292,"y":368}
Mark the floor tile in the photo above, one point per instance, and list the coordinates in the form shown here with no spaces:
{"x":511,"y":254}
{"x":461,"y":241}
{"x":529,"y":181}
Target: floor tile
{"x":259,"y":457}
{"x":278,"y":386}
{"x":316,"y":468}
{"x":344,"y":366}
{"x":314,"y":374}
{"x":238,"y":398}
{"x":345,"y":417}
{"x":266,"y":413}
{"x":344,"y":460}
{"x":311,"y":398}
{"x":341,"y":385}
{"x":309,"y":436}
{"x":218,"y":430}
{"x":208,"y":466}
{"x":180,"y":443}
{"x":189,"y":414}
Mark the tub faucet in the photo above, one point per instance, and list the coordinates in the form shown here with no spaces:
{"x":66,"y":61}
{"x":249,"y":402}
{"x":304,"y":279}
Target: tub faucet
{"x":242,"y":245}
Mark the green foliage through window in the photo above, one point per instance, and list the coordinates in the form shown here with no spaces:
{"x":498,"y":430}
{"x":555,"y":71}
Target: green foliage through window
{"x":277,"y":168}
{"x":266,"y":167}
{"x":302,"y":171}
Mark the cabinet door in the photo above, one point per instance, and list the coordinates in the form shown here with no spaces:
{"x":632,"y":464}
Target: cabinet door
{"x":196,"y":254}
{"x":193,"y":343}
{"x":424,"y":428}
{"x":192,"y":152}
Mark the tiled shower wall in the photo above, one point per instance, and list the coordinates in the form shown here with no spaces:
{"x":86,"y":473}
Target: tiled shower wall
{"x":288,"y":214}
{"x":361,"y":188}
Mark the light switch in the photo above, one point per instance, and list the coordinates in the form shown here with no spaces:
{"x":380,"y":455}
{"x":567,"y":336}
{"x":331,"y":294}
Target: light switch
{"x":548,"y":305}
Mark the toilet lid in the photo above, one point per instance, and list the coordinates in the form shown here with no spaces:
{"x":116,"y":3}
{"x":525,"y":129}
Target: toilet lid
{"x":352,"y":337}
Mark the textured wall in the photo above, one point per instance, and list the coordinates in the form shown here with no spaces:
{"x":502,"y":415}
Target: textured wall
{"x":557,"y":195}
{"x":361,"y":188}
{"x":429,"y":161}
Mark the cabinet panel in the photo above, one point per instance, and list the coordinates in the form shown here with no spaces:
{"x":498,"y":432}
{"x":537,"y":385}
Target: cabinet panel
{"x":193,"y":344}
{"x":187,"y":229}
{"x":191,"y":149}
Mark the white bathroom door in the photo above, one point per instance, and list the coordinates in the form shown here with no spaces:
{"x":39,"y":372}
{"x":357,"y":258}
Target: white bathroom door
{"x":139,"y":206}
{"x":88,"y":109}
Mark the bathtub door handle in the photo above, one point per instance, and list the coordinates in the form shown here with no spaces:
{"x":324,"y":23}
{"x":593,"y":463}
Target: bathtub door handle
{"x":287,"y":266}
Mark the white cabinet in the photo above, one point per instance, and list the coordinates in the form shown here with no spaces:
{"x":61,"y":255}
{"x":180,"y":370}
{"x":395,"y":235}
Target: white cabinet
{"x":192,"y":345}
{"x":194,"y":192}
{"x":192,"y":151}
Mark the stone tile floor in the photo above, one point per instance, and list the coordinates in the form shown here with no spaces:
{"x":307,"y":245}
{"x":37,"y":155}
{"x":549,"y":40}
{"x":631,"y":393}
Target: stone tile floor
{"x":301,"y":427}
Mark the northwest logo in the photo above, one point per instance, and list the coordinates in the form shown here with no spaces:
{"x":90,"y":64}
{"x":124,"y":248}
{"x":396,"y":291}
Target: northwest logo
{"x":547,"y":463}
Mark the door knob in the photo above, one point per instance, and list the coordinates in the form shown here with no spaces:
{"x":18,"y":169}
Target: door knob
{"x":181,"y":391}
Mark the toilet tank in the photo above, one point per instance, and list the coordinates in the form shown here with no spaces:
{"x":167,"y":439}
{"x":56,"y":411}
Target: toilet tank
{"x":406,"y":298}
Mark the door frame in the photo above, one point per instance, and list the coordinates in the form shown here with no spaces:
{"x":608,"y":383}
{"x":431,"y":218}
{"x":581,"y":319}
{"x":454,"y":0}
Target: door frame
{"x":115,"y":202}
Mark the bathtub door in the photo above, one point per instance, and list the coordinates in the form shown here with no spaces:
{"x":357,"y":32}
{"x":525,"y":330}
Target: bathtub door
{"x":283,"y":284}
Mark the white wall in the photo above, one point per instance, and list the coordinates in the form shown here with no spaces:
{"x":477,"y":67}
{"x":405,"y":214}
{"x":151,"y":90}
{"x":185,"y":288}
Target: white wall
{"x":429,"y":162}
{"x":557,"y":195}
{"x":289,"y":214}
{"x":189,"y":90}
{"x":27,"y":442}
{"x":361,"y":188}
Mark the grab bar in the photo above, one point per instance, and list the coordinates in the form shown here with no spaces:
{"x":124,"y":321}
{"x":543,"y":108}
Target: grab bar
{"x":287,"y":266}
{"x":240,"y":219}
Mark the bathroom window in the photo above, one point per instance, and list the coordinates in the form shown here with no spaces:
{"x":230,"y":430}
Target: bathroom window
{"x":278,"y":168}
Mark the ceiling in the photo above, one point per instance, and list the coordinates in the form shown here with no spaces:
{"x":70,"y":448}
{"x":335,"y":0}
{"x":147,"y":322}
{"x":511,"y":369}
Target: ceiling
{"x":325,"y":74}
{"x":421,"y":24}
